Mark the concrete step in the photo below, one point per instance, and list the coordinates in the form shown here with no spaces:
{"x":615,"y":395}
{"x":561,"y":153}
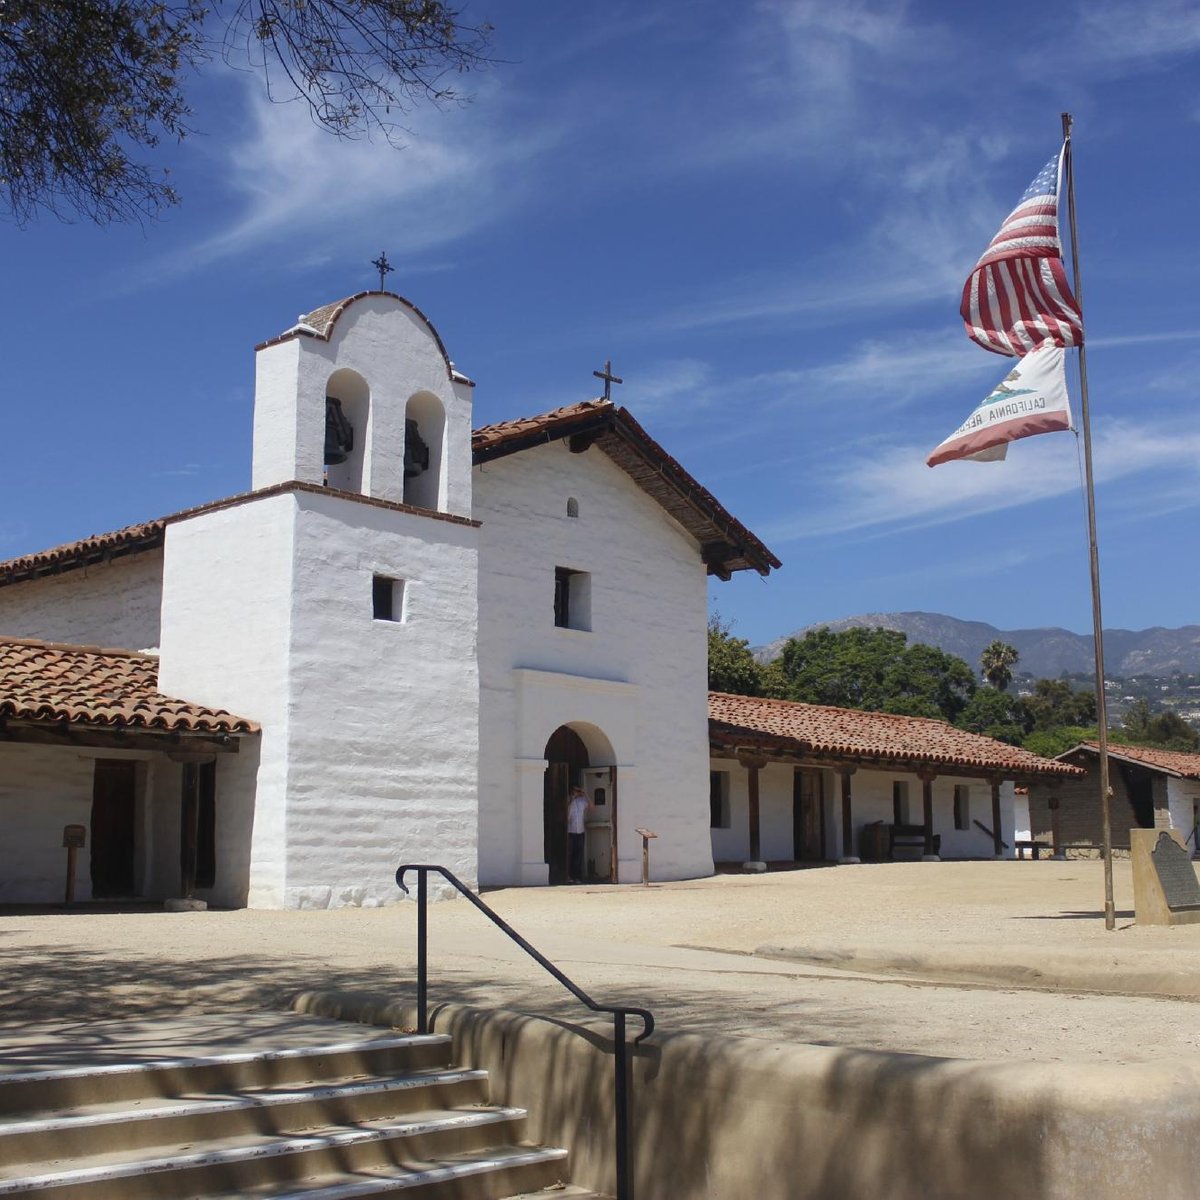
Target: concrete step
{"x":57,"y":1090}
{"x":94,"y":1129}
{"x":391,"y":1147}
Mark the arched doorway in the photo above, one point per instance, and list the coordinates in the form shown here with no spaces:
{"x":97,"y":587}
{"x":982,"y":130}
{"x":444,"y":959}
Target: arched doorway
{"x":566,"y":757}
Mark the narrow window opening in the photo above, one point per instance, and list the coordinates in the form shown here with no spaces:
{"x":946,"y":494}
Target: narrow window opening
{"x":572,"y":599}
{"x":387,"y":598}
{"x":962,"y":807}
{"x":900,"y":802}
{"x":572,"y":507}
{"x":718,"y":800}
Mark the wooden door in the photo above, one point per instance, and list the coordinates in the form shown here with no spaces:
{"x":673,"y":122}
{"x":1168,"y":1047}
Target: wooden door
{"x":808,"y":833}
{"x":113,"y":809}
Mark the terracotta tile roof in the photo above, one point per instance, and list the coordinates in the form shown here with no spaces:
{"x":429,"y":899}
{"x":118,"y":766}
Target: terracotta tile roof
{"x":84,"y":685}
{"x":133,"y":539}
{"x":1173,"y":762}
{"x":726,"y":544}
{"x":815,"y":730}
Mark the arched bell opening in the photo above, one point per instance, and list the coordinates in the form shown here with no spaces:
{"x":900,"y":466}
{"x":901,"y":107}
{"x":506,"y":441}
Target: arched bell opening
{"x":347,"y":415}
{"x":424,"y":433}
{"x":580,"y":753}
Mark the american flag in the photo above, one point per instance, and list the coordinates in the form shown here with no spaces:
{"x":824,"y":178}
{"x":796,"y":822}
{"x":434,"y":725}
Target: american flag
{"x":1017,"y":297}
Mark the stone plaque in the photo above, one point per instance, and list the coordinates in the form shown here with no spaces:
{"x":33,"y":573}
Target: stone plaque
{"x":1165,"y":888}
{"x":1181,"y":889}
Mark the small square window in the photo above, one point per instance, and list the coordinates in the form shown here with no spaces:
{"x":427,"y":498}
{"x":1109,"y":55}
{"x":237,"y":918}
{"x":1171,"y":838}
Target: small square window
{"x":387,"y":598}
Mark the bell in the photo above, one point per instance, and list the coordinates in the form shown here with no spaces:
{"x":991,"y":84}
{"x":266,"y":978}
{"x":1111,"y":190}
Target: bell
{"x":416,"y":452}
{"x":339,"y":433}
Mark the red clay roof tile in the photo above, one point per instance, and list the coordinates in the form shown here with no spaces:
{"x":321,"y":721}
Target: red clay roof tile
{"x":1174,"y":762}
{"x":85,"y":685}
{"x":844,"y":732}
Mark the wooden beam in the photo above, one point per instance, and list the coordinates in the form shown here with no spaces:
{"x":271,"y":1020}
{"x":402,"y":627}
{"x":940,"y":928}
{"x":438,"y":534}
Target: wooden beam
{"x":103,"y":737}
{"x":755,"y":839}
{"x":189,"y":823}
{"x":580,"y":443}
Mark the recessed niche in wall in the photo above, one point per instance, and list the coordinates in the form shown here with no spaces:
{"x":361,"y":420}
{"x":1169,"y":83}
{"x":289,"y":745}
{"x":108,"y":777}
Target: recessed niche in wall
{"x":572,"y":507}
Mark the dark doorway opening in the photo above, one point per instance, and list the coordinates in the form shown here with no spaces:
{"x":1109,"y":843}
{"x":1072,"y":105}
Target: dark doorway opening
{"x":566,"y":756}
{"x":114,"y":804}
{"x":1139,"y":785}
{"x":808,"y":816}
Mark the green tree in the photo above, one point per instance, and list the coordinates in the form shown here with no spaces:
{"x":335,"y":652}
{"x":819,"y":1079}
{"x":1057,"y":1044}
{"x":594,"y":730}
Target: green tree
{"x":997,"y":660}
{"x":876,"y":670}
{"x":996,"y":714}
{"x":1167,"y":730}
{"x":87,"y":85}
{"x":731,"y":666}
{"x":1055,"y":703}
{"x":1050,"y":743}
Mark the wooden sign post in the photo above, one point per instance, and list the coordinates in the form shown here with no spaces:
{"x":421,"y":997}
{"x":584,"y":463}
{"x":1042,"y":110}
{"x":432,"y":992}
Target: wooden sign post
{"x":646,"y":835}
{"x":74,"y":837}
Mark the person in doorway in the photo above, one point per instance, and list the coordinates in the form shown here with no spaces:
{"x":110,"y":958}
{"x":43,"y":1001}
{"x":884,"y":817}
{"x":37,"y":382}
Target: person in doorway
{"x":577,"y":805}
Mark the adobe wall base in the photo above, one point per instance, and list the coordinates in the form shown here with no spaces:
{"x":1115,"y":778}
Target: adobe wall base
{"x":741,"y":1118}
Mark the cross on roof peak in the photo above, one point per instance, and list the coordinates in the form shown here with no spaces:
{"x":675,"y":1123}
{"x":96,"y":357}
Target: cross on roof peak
{"x":609,"y":378}
{"x":384,"y":268}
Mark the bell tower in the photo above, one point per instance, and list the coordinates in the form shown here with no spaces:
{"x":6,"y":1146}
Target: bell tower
{"x":360,"y":396}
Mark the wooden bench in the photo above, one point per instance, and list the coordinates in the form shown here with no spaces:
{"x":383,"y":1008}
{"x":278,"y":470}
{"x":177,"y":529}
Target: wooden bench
{"x":910,"y":837}
{"x":1033,"y":846}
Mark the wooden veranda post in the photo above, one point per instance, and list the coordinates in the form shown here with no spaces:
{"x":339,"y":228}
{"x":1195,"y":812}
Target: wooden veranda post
{"x":753,"y":764}
{"x":848,"y":855}
{"x":927,"y":778}
{"x":997,"y":840}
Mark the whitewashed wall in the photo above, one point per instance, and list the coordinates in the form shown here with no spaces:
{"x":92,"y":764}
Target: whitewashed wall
{"x":1182,"y":795}
{"x":114,"y":604}
{"x":42,"y":789}
{"x":384,"y":715}
{"x":648,"y":618}
{"x":370,"y":730}
{"x":871,"y":801}
{"x":226,"y":638}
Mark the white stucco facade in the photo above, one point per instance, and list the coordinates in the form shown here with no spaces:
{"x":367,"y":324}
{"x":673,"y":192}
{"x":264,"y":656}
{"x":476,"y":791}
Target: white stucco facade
{"x":392,"y":631}
{"x":633,"y":684}
{"x":110,"y":604}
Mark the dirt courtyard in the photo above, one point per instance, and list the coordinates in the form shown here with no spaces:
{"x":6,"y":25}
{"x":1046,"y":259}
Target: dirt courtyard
{"x":1056,"y":985}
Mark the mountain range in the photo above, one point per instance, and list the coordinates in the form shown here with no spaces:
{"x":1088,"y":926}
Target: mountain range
{"x":1045,"y":653}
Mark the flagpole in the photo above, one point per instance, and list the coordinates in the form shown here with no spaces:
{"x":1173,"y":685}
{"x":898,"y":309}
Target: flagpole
{"x":1110,"y":919}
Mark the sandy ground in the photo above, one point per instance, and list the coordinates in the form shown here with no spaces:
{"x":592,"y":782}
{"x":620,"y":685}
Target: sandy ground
{"x":686,"y":950}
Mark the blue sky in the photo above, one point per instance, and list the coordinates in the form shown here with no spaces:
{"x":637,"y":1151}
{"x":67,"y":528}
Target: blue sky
{"x":763,"y":213}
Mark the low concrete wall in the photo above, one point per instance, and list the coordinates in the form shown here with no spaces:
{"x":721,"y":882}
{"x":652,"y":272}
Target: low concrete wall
{"x":720,"y":1118}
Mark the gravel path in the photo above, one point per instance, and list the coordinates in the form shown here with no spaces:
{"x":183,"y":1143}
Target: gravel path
{"x":684,"y":949}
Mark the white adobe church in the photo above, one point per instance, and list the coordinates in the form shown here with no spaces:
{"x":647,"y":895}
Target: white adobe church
{"x":400,"y":644}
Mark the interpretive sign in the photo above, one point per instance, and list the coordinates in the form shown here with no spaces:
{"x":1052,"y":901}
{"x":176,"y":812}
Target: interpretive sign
{"x":1165,"y":888}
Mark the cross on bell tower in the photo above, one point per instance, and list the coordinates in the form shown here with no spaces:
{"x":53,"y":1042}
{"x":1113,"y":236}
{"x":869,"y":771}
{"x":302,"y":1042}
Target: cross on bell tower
{"x":609,"y":378}
{"x":384,"y":268}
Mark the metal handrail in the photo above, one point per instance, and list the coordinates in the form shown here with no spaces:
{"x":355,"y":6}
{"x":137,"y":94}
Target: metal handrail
{"x":617,"y":1012}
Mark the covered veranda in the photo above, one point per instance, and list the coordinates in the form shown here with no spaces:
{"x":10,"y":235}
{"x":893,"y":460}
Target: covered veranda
{"x":108,"y":788}
{"x":810,"y":783}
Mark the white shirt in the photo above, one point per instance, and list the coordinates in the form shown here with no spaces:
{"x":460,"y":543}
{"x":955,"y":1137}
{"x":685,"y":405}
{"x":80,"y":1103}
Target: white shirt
{"x":576,"y":807}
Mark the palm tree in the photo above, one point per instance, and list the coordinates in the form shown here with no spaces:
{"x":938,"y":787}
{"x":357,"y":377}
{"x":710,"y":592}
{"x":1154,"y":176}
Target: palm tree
{"x":997,"y":660}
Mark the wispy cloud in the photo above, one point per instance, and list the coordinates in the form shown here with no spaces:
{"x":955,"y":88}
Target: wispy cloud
{"x":292,"y":181}
{"x":1117,"y":33}
{"x":894,"y":490}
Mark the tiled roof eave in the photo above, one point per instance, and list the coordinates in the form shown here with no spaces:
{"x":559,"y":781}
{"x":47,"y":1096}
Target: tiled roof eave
{"x":731,"y":738}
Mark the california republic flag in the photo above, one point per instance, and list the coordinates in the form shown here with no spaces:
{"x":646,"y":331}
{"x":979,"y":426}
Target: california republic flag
{"x":1032,"y":399}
